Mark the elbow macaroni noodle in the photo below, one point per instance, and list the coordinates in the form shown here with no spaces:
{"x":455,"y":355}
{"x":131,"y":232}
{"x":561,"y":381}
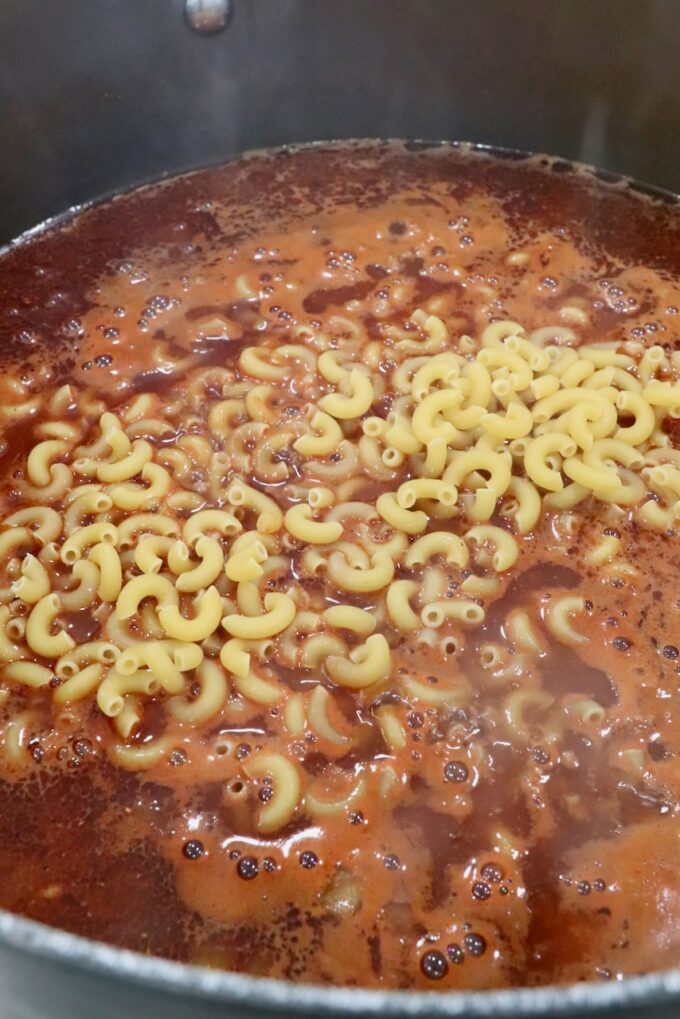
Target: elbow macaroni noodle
{"x":389,"y":507}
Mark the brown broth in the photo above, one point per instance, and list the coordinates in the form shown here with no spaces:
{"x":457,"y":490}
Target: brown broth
{"x":588,"y":888}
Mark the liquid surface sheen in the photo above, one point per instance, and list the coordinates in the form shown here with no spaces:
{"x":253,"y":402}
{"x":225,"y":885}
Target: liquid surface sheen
{"x":498,"y":803}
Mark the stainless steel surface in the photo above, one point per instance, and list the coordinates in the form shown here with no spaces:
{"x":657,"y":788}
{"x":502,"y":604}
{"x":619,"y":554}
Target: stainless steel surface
{"x":51,"y":975}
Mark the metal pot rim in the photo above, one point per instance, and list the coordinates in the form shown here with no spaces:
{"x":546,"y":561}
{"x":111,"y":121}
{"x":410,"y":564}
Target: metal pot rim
{"x":152,"y":972}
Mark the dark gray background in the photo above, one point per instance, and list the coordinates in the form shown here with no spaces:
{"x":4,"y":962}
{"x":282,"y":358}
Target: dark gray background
{"x":99,"y":94}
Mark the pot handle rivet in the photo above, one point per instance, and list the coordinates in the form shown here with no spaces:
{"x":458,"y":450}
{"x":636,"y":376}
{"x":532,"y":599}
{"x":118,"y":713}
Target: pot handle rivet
{"x":207,"y":16}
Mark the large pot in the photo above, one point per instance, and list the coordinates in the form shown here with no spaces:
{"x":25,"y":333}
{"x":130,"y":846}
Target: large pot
{"x":95,"y":97}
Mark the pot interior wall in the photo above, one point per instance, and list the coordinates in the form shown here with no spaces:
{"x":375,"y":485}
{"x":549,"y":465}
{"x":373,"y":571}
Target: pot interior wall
{"x":97,"y":96}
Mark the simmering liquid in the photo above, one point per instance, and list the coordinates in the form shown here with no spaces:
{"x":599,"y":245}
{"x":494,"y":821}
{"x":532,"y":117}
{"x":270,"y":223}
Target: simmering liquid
{"x":500,"y":805}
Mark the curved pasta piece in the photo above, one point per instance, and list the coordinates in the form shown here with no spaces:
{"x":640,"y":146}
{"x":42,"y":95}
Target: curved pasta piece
{"x":80,"y":685}
{"x":144,"y":755}
{"x":527,"y":511}
{"x":367,"y":664}
{"x":113,"y":691}
{"x":210,"y":520}
{"x":151,"y":523}
{"x":536,"y":456}
{"x":317,"y":715}
{"x":558,"y":619}
{"x":506,"y":550}
{"x":43,"y":522}
{"x":426,"y":488}
{"x":270,"y":517}
{"x":34,"y":582}
{"x":328,"y":366}
{"x":294,"y":716}
{"x":353,"y":404}
{"x":9,"y":651}
{"x":127,"y":466}
{"x":131,"y":496}
{"x":298,"y":522}
{"x":350,"y":617}
{"x":165,"y":659}
{"x":428,"y":421}
{"x":92,"y":501}
{"x":462,"y":610}
{"x":149,"y":585}
{"x":320,"y":497}
{"x":523,"y":633}
{"x":205,"y":621}
{"x":328,"y":436}
{"x":444,"y":368}
{"x":358,"y":580}
{"x":392,"y":730}
{"x":235,"y":658}
{"x":92,"y":534}
{"x":317,"y":648}
{"x":39,"y":463}
{"x":208,"y":703}
{"x":26,"y":673}
{"x":585,"y":711}
{"x":343,"y":463}
{"x":443,"y":543}
{"x":280,"y":612}
{"x":96,"y":651}
{"x":408,"y":521}
{"x":398,"y":605}
{"x":516,"y":704}
{"x":419,"y":691}
{"x":595,"y":477}
{"x":85,"y":592}
{"x":107,"y":559}
{"x":514,"y":424}
{"x":320,"y":806}
{"x":287,"y":787}
{"x":256,"y":688}
{"x":39,"y":636}
{"x":399,"y":434}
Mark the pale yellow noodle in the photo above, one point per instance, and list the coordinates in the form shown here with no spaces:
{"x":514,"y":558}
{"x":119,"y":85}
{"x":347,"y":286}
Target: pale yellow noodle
{"x":286,"y":784}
